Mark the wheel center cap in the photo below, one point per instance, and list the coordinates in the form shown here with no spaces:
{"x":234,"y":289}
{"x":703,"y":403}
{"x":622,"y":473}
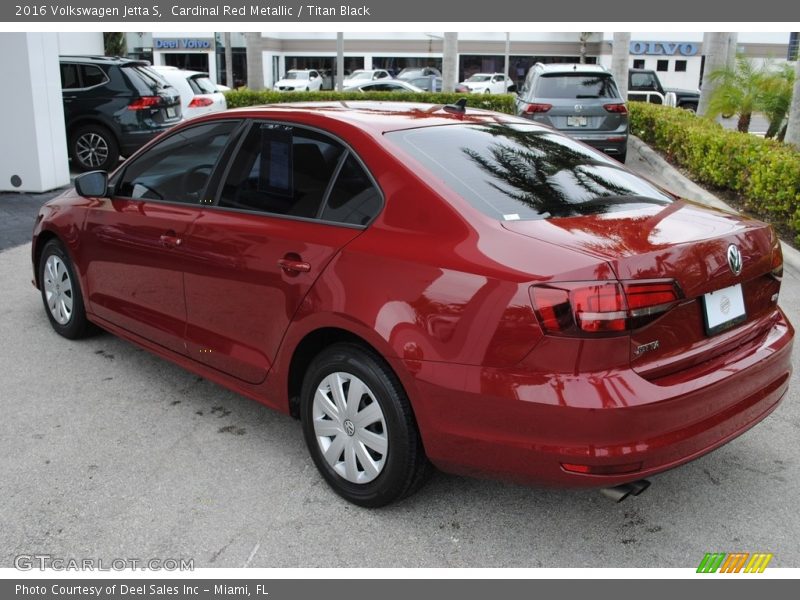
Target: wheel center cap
{"x":349,"y":428}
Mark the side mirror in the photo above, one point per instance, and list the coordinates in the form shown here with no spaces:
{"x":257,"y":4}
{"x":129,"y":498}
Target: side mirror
{"x":92,"y":184}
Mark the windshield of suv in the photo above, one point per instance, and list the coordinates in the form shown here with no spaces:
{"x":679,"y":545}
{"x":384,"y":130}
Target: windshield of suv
{"x":475,"y":78}
{"x":576,"y":85}
{"x":513,"y":171}
{"x":297,"y":75}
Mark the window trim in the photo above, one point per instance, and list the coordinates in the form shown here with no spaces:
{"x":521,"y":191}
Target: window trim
{"x":348,"y":151}
{"x":120,"y":174}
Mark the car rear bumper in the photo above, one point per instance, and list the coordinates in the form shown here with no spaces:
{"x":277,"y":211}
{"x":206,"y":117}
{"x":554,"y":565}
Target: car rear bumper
{"x":613,"y":144}
{"x":525,"y":426}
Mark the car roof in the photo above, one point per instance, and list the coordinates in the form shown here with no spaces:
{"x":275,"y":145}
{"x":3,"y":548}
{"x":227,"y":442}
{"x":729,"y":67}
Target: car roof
{"x":570,"y":68}
{"x":380,"y":117}
{"x":101,"y":59}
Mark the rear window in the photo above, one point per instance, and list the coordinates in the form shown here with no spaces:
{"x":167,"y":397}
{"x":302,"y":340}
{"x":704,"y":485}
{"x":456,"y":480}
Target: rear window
{"x":152,"y":80}
{"x":576,"y":85}
{"x":202,"y":85}
{"x":522,"y":172}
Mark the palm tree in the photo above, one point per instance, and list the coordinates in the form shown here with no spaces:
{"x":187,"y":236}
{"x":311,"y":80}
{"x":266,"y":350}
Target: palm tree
{"x":793,"y":123}
{"x":776,"y":96}
{"x":737,"y":91}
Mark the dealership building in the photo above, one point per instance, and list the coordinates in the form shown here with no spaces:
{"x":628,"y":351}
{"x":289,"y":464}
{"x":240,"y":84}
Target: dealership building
{"x":678,"y":57}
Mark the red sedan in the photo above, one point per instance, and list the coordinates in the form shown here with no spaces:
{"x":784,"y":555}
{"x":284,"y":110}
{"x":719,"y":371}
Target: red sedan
{"x":429,"y":285}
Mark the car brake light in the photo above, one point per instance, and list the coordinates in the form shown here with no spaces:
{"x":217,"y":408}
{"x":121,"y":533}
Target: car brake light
{"x":577,"y":308}
{"x":199,"y":101}
{"x":777,"y":262}
{"x":602,"y":469}
{"x":616,"y":108}
{"x":538,"y":108}
{"x":144,"y":102}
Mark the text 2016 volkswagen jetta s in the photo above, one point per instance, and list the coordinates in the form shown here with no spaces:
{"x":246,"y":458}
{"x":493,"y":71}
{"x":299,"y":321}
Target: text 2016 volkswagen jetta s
{"x":422,"y":284}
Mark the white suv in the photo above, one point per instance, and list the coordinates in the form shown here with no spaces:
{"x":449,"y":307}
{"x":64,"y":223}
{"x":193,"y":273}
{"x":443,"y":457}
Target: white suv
{"x":299,"y":80}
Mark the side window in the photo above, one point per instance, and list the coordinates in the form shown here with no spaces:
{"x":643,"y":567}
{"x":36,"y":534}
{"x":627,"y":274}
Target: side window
{"x":382,"y":75}
{"x":69,"y":77}
{"x":91,"y":75}
{"x":281,"y":169}
{"x":177,"y":168}
{"x":353,"y":198}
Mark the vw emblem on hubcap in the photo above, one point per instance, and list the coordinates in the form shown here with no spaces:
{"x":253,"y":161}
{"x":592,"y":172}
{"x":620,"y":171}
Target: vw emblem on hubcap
{"x":349,"y":428}
{"x":734,"y":259}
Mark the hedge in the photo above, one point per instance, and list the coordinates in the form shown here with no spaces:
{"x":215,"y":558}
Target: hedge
{"x":766,"y":173}
{"x":498,"y":102}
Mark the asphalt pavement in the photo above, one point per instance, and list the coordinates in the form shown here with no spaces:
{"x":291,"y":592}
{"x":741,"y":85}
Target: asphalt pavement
{"x":107,"y":451}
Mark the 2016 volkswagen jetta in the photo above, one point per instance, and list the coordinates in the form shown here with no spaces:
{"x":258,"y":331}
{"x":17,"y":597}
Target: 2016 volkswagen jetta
{"x":423,"y":284}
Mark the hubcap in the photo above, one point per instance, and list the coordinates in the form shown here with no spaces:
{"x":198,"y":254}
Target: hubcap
{"x":92,"y":149}
{"x":350,"y":427}
{"x":58,"y":289}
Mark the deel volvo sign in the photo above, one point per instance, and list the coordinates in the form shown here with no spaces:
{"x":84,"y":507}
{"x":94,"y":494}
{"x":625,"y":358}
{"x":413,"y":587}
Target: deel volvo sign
{"x":183,"y":44}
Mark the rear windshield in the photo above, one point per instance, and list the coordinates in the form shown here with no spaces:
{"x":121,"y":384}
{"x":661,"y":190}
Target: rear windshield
{"x":202,"y":85}
{"x":522,"y":172}
{"x":576,"y":85}
{"x":151,"y":79}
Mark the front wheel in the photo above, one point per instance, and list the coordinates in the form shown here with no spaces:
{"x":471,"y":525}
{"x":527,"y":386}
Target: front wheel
{"x":61,"y":292}
{"x":359,"y":427}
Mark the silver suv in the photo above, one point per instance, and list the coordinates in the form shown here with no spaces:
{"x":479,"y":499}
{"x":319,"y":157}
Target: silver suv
{"x":582,"y":101}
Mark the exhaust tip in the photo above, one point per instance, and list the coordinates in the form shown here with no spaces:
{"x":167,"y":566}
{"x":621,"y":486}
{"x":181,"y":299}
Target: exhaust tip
{"x":621,"y":492}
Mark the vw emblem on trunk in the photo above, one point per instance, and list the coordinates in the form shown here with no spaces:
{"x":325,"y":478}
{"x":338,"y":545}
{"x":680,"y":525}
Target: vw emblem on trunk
{"x":734,"y":259}
{"x":578,"y":107}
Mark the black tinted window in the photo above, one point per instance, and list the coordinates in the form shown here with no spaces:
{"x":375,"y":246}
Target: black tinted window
{"x":353,"y":198}
{"x":91,"y":75}
{"x":177,"y":168}
{"x":577,"y":85}
{"x":283,"y":170}
{"x":511,"y":171}
{"x":69,"y":77}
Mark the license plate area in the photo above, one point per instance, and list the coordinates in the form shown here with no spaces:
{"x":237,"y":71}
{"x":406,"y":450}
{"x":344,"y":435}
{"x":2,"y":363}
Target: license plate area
{"x":723,"y":309}
{"x":577,"y":121}
{"x":171,"y":112}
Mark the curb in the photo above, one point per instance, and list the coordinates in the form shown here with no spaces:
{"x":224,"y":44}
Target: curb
{"x":678,"y":183}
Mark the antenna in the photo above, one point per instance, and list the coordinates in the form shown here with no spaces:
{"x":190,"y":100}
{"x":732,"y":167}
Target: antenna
{"x":459,"y":107}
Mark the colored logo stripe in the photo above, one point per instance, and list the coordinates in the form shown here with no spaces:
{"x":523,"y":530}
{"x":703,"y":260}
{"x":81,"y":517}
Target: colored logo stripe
{"x":734,"y":562}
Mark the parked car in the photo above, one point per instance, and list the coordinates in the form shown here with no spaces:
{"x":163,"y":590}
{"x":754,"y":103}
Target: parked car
{"x":423,"y":283}
{"x":360,"y":76}
{"x":428,"y":83}
{"x":645,"y":86}
{"x":199,"y":95}
{"x":392,"y":85}
{"x":299,"y":80}
{"x":488,"y":83}
{"x":112,"y":107}
{"x":582,"y":100}
{"x":413,"y":72}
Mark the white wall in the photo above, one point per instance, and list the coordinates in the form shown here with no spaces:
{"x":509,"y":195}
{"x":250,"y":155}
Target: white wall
{"x":81,"y":43}
{"x":33,"y":145}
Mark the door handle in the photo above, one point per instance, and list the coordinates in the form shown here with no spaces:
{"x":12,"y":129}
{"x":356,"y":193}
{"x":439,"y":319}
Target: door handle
{"x":294,"y":265}
{"x":170,"y":240}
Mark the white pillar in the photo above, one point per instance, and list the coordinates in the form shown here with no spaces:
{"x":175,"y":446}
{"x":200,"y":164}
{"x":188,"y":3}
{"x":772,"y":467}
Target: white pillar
{"x":620,"y":54}
{"x":33,"y":146}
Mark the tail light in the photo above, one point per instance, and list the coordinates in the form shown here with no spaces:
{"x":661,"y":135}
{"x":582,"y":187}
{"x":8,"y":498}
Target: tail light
{"x":616,"y":108}
{"x":578,"y":308}
{"x":777,"y":262}
{"x":200,"y":101}
{"x":538,"y":108}
{"x":144,"y":102}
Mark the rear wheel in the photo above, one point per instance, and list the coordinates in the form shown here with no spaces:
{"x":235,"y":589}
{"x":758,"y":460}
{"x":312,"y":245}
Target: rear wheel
{"x":93,"y":147}
{"x":359,"y":427}
{"x":61,"y":292}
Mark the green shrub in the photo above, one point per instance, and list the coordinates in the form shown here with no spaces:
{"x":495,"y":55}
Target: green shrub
{"x":765,"y":172}
{"x":497,"y":102}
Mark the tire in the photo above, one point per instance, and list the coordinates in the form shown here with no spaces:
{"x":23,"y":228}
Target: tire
{"x":61,"y":293}
{"x":377,"y":461}
{"x":93,"y":147}
{"x":690,"y":107}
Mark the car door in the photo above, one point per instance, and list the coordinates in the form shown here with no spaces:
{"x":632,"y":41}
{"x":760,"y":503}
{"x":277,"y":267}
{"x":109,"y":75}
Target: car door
{"x":134,"y":239}
{"x":290,"y":200}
